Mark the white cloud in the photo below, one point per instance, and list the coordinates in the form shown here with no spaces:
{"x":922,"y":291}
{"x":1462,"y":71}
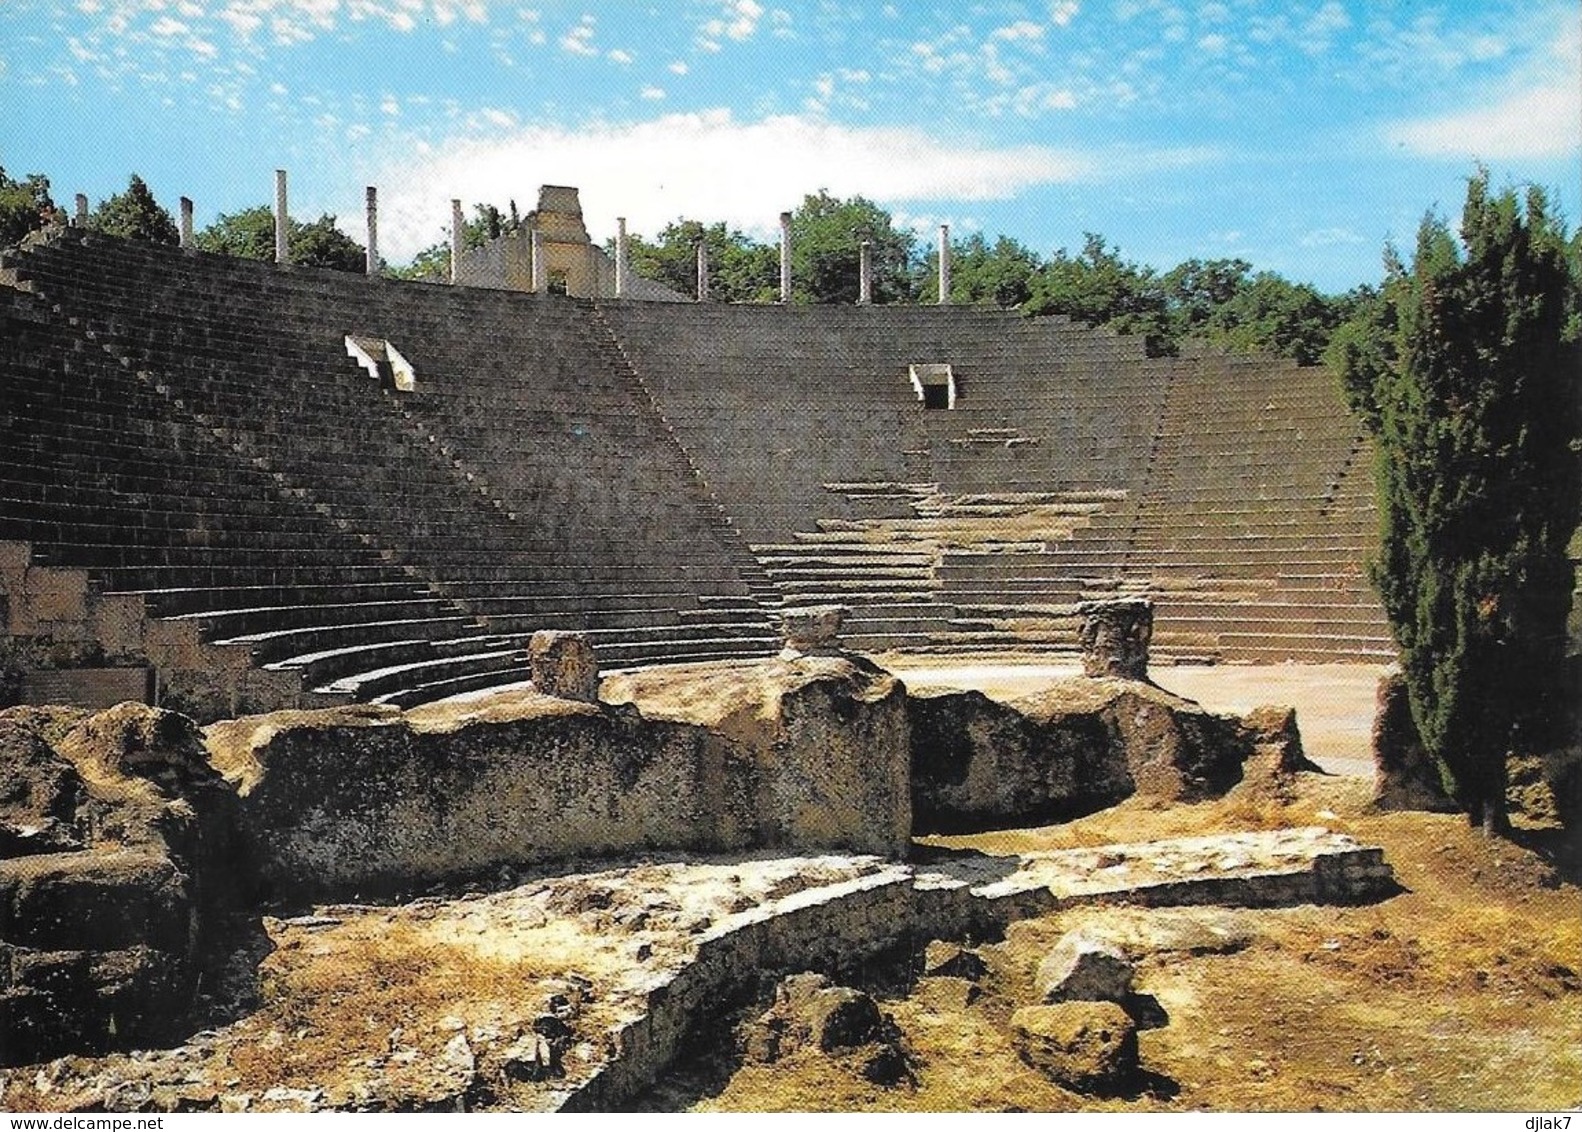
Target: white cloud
{"x":710,"y":165}
{"x":1063,"y":12}
{"x":1538,"y":122}
{"x":1329,"y":237}
{"x":1020,"y":30}
{"x":653,"y":93}
{"x":737,"y":21}
{"x":619,"y":56}
{"x":1533,"y":115}
{"x":579,"y":40}
{"x":678,"y":68}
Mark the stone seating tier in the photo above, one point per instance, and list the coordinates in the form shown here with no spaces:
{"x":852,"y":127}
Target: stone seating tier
{"x":256,"y":361}
{"x":658,"y":443}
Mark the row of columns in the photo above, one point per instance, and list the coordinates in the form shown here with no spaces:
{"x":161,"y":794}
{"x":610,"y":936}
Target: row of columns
{"x":864,"y":262}
{"x":623,"y":270}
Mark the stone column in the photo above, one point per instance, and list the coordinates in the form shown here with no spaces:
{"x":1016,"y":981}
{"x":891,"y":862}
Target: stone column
{"x":371,"y":207}
{"x":81,"y":218}
{"x":282,"y":224}
{"x":944,"y":264}
{"x":1115,"y":636}
{"x":186,"y":222}
{"x":785,"y":257}
{"x":457,"y":226}
{"x":540,"y":268}
{"x":865,"y":272}
{"x":703,"y":271}
{"x":623,"y":263}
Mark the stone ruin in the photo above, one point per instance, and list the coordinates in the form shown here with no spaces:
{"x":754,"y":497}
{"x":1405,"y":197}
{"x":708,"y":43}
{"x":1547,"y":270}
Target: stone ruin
{"x":818,"y":750}
{"x":489,"y":462}
{"x":277,"y":582}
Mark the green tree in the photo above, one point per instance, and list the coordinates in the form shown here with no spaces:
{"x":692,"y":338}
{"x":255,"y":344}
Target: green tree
{"x":1466,"y":373}
{"x":319,"y":243}
{"x":1195,"y":291}
{"x":135,"y":215}
{"x":1000,"y":274}
{"x":740,"y":269}
{"x":1096,"y":286}
{"x":1270,"y":314}
{"x":250,"y":234}
{"x":24,"y":206}
{"x":826,"y":234}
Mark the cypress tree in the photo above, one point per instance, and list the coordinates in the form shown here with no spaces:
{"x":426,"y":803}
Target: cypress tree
{"x":1469,"y":377}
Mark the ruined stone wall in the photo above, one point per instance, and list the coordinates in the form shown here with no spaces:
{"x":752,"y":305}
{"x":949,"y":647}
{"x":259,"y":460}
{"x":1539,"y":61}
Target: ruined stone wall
{"x":352,"y":800}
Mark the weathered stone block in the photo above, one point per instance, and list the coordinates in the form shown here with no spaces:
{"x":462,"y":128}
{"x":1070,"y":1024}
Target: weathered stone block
{"x":1115,"y":636}
{"x":117,"y":622}
{"x":57,"y":594}
{"x":812,"y":630}
{"x":1088,"y":1047}
{"x":563,"y":665}
{"x":1084,"y":968}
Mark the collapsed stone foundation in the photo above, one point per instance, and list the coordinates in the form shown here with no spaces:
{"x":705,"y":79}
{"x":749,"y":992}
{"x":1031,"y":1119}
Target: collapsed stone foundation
{"x":130,"y":836}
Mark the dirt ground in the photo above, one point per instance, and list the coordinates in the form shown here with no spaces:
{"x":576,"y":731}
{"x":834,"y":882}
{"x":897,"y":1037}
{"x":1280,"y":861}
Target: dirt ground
{"x":1461,"y":993}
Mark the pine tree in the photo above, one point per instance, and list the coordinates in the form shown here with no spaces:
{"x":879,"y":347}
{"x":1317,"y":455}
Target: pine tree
{"x":1470,"y":380}
{"x":136,"y":215}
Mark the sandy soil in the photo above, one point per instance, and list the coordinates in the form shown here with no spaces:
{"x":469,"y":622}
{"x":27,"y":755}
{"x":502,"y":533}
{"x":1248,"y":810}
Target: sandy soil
{"x":1461,"y":993}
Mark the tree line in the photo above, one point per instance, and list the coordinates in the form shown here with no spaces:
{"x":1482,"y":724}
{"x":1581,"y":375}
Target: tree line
{"x":1222,"y":302}
{"x":27,"y":206}
{"x":1465,"y":366}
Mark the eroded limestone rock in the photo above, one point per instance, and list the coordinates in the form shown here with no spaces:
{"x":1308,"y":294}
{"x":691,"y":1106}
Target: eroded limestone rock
{"x":810,"y":1012}
{"x":787,"y":755}
{"x":945,"y":959}
{"x":1404,"y":777}
{"x":1277,"y":739}
{"x":119,"y":864}
{"x":825,"y":740}
{"x":1088,"y":1047}
{"x":1068,"y":749}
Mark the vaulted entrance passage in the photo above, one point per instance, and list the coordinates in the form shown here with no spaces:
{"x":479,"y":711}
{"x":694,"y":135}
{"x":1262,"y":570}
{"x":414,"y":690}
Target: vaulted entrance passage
{"x":934,"y":383}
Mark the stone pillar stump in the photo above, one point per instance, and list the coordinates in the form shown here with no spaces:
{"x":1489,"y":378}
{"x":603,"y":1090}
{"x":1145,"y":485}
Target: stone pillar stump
{"x":563,"y":665}
{"x":812,"y":630}
{"x":1115,"y":636}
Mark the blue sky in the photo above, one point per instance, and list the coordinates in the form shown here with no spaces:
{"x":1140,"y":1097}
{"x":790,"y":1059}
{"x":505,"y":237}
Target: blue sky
{"x":1297,"y":136}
